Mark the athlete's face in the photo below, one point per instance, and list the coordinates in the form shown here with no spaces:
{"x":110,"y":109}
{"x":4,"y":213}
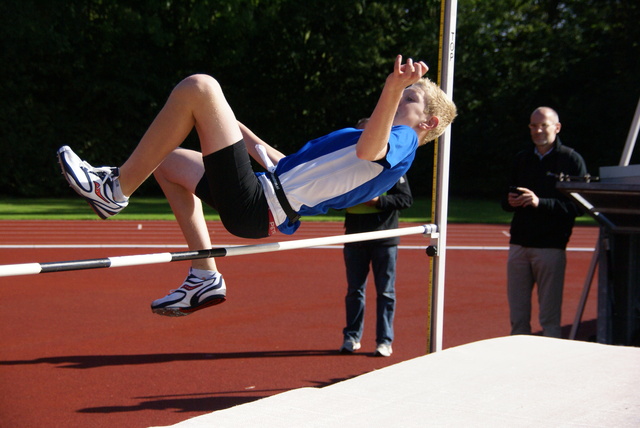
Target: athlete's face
{"x":411,"y":108}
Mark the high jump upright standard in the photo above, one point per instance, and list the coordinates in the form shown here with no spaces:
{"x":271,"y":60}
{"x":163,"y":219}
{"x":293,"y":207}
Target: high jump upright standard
{"x":448,"y":13}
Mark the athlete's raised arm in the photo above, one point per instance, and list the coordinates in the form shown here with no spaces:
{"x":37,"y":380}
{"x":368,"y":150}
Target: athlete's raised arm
{"x":372,"y":145}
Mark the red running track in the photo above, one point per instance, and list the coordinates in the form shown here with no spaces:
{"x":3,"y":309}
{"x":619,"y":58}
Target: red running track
{"x":82,"y":349}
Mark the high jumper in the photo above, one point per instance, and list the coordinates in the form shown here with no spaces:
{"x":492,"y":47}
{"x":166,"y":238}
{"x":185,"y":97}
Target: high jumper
{"x":338,"y":170}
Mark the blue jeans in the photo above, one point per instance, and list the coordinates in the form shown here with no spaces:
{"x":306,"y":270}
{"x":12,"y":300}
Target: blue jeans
{"x":383,"y":263}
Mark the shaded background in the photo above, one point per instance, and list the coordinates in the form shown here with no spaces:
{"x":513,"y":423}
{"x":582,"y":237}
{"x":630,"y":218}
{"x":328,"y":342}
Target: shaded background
{"x":94,"y":73}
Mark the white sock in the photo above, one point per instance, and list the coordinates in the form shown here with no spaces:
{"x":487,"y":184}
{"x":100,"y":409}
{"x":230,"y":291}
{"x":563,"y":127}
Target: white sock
{"x":204,"y":273}
{"x":117,"y":192}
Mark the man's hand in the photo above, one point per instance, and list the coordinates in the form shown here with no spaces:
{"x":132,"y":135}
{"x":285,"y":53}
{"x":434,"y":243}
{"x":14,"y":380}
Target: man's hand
{"x":373,"y":202}
{"x":526,"y":199}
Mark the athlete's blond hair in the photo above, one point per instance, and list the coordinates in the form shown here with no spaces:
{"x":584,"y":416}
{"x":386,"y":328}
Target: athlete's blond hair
{"x":438,"y":104}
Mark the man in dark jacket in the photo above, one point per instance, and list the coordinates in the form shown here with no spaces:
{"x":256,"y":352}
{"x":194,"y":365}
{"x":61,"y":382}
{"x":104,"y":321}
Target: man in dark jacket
{"x":541,"y":226}
{"x":380,"y":213}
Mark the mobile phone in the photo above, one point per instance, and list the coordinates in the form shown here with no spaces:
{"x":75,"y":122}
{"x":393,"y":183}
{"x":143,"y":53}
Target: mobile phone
{"x":514,"y":189}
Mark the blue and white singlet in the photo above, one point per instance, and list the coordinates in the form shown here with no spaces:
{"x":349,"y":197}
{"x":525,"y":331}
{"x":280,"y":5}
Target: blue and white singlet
{"x":326,"y":173}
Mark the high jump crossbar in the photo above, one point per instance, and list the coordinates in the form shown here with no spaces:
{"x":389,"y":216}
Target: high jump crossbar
{"x":145,"y":259}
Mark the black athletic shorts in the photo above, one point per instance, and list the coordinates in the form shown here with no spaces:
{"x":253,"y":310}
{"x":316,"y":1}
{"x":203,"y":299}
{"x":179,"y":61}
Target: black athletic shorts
{"x":231,"y":187}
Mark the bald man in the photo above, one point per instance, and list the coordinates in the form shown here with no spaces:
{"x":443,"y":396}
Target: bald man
{"x":543,"y":219}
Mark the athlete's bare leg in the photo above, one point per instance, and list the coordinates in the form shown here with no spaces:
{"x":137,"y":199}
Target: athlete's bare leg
{"x":197,"y":102}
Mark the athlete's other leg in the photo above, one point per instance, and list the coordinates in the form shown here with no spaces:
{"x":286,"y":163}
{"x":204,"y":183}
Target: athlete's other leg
{"x":178,"y":176}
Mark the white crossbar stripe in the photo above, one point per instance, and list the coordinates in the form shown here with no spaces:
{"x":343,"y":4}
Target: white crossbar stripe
{"x":134,"y":260}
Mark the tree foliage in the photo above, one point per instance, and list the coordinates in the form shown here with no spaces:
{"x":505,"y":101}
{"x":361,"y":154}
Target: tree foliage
{"x":577,"y":56}
{"x":93,"y":74}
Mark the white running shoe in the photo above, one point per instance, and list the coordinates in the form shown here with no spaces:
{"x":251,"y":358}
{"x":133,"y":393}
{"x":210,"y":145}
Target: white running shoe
{"x":349,"y":346}
{"x":99,"y":186}
{"x":194,"y":294}
{"x":383,"y":350}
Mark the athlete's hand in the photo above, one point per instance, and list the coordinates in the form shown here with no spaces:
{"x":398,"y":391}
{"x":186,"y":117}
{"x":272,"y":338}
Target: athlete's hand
{"x":408,"y":73}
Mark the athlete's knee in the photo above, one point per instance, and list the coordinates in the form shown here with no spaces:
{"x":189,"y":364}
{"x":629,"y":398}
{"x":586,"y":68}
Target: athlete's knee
{"x":160,"y":173}
{"x":200,"y":84}
{"x":168,"y":168}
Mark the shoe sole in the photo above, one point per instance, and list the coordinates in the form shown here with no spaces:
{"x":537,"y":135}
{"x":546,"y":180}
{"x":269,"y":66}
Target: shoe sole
{"x":183,"y":312}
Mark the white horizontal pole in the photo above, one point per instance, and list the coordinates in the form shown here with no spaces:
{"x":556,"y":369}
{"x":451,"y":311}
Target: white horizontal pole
{"x":329,"y":240}
{"x":144,"y":259}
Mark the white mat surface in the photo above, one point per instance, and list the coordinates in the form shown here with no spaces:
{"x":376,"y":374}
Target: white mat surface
{"x":519,"y":381}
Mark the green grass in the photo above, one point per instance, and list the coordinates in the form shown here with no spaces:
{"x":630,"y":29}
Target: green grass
{"x":459,"y":211}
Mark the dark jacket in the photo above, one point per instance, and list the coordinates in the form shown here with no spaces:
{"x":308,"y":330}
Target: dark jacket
{"x":550,"y":224}
{"x":386,"y":216}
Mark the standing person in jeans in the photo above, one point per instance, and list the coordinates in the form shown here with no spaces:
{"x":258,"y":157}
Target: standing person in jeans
{"x":380,"y":213}
{"x":543,"y":219}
